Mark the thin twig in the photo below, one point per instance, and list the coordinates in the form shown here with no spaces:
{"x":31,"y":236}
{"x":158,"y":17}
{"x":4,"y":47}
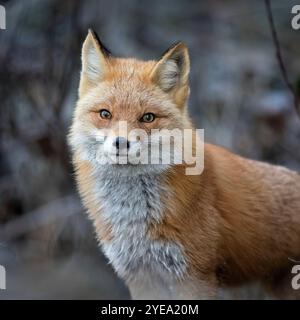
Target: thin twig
{"x":279,"y":56}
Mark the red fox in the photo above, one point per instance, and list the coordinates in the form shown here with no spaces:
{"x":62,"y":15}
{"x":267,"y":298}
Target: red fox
{"x":168,"y":234}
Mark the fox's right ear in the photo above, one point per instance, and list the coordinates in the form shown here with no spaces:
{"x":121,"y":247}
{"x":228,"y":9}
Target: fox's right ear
{"x":95,"y":61}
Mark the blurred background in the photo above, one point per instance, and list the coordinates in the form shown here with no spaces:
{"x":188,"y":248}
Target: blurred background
{"x":46,"y":242}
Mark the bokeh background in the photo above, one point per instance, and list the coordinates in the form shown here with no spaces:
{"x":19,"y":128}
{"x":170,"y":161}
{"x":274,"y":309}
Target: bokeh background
{"x":46,"y":242}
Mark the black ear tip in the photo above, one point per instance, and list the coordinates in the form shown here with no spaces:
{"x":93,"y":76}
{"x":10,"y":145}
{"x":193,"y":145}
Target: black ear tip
{"x":175,"y":45}
{"x":94,"y":34}
{"x":181,"y":44}
{"x":100,"y":43}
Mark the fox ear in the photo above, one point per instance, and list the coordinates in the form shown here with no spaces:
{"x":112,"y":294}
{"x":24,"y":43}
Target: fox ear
{"x":95,"y":59}
{"x":172,"y":70}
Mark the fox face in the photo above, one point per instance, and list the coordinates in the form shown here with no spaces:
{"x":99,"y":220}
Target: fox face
{"x":125,"y":103}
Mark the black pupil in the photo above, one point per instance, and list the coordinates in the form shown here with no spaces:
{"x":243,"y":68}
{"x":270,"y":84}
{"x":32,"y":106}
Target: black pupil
{"x":148,"y":117}
{"x":105,"y":114}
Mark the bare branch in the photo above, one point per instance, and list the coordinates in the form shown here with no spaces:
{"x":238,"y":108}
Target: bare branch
{"x":279,"y":56}
{"x":57,"y":209}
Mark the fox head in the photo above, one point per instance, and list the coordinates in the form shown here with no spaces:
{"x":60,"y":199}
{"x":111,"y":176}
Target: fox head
{"x":120,"y":95}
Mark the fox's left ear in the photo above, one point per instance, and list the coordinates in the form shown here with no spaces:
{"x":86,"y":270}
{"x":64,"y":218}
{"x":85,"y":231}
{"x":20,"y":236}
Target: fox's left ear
{"x":171,"y":72}
{"x":95,"y":62}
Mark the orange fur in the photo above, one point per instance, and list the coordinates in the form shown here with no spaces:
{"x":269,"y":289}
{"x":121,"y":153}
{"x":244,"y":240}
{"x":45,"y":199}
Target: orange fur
{"x":85,"y":182}
{"x":239,"y":220}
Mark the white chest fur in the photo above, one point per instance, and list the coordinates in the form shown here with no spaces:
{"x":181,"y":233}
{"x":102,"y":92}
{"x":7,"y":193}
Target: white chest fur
{"x":129,"y":204}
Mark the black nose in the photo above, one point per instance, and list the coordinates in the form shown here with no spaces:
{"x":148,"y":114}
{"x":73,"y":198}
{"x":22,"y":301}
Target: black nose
{"x":121,"y":143}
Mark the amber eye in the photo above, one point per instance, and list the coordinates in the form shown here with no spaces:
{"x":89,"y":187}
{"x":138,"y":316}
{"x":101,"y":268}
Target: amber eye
{"x":105,"y":114}
{"x":148,"y":117}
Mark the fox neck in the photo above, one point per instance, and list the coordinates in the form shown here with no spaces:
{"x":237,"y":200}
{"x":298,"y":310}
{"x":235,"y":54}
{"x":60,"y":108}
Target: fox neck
{"x":129,"y":204}
{"x":138,"y":195}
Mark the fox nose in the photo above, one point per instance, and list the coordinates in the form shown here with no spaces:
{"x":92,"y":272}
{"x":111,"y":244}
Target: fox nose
{"x":121,"y":143}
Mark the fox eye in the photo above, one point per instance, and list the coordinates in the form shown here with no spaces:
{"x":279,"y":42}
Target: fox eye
{"x":148,"y":117}
{"x":105,"y":114}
